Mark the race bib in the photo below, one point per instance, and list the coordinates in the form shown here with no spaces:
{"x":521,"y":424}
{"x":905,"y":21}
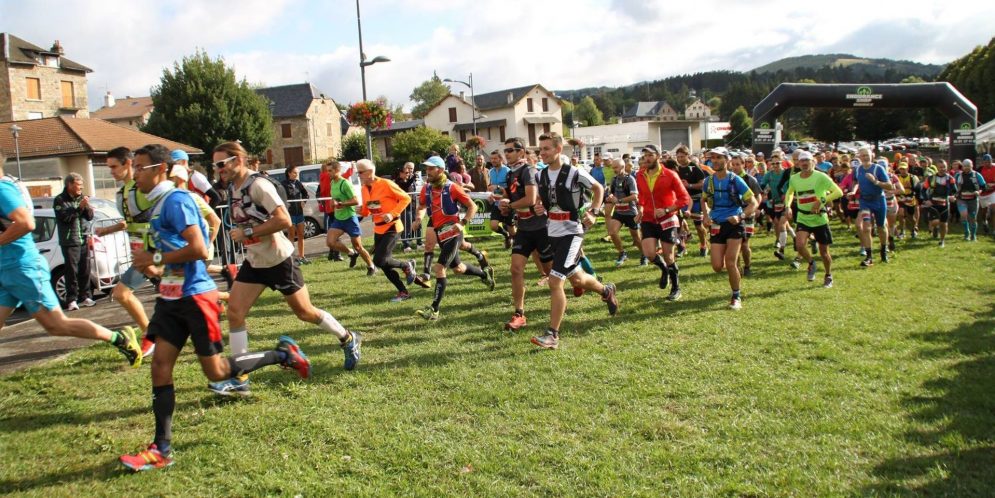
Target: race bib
{"x":374,"y":207}
{"x":448,"y":231}
{"x":672,"y":222}
{"x":136,"y":242}
{"x":715,"y":229}
{"x":171,"y":287}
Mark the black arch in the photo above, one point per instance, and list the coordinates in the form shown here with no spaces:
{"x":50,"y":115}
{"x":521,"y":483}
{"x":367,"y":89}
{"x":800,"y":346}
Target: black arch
{"x":961,"y":112}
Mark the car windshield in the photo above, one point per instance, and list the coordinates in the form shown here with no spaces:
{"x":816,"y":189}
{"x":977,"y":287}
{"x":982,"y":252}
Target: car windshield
{"x":44,"y":229}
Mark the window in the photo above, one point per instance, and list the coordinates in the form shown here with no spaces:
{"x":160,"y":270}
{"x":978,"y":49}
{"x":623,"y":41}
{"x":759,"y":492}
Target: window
{"x":35,"y":115}
{"x":328,"y":128}
{"x":489,"y":134}
{"x":545,"y":128}
{"x":269,"y":156}
{"x":545,"y":104}
{"x":388,"y":149}
{"x":34,"y":89}
{"x":445,"y":133}
{"x":528,"y":103}
{"x":44,"y":229}
{"x":50,"y":61}
{"x":285,"y":130}
{"x":68,"y":95}
{"x":452,"y":114}
{"x":532,"y":135}
{"x":102,"y":178}
{"x":462,"y":135}
{"x":502,"y":135}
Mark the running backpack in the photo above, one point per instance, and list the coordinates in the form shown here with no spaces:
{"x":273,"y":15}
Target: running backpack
{"x":129,"y":203}
{"x":710,"y":189}
{"x":251,"y":209}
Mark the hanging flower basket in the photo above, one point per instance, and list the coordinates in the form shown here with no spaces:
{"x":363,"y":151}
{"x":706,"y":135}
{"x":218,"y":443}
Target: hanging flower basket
{"x":371,"y":114}
{"x":575,"y":142}
{"x":476,"y":142}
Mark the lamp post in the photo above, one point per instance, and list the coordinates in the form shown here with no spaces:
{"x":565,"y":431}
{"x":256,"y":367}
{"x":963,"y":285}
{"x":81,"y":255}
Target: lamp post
{"x":472,"y":98}
{"x":16,"y":131}
{"x":362,"y":73}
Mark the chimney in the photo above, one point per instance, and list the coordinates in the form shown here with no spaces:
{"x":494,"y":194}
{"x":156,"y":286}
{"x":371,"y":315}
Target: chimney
{"x":511,"y":97}
{"x":108,"y":100}
{"x":462,"y":96}
{"x":57,"y":48}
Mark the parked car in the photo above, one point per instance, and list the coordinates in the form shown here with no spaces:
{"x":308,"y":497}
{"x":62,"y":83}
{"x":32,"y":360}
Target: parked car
{"x":109,"y":256}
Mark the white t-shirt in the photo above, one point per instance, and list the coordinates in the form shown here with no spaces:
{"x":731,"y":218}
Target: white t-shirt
{"x":264,"y":251}
{"x":562,"y":228}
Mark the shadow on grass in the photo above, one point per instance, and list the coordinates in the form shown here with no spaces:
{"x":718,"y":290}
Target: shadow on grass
{"x":958,"y":437}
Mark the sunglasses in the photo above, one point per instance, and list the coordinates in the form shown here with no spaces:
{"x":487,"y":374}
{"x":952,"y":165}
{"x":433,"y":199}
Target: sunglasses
{"x":512,"y":149}
{"x":156,"y":165}
{"x":221,"y":164}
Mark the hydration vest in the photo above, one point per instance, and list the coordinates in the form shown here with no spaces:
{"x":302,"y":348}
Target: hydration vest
{"x":252,"y":210}
{"x":968,"y":185}
{"x":449,"y":206}
{"x":567,"y":194}
{"x":732,"y":196}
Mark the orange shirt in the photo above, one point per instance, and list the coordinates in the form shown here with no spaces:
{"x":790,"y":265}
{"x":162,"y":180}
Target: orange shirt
{"x":383,"y":197}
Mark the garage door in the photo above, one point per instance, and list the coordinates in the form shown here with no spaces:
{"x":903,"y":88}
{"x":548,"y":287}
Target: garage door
{"x":669,"y":139}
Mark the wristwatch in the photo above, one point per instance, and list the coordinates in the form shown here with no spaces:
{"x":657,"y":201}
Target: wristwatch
{"x":157,"y":259}
{"x":596,"y":212}
{"x":247,"y":232}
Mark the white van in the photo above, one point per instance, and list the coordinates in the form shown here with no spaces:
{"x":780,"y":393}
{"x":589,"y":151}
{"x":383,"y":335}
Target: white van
{"x":314,"y":220}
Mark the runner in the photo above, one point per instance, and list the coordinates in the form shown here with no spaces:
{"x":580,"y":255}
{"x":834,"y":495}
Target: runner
{"x":260,"y":217}
{"x":872,"y":182}
{"x":939,"y":188}
{"x":891,"y":203}
{"x":987,"y":213}
{"x":775,"y":204}
{"x":623,"y":200}
{"x":521,"y":196}
{"x":384,"y":202}
{"x":441,"y":199}
{"x":24,"y":276}
{"x":500,"y":223}
{"x":187,"y":307}
{"x":815,"y":191}
{"x":692,"y":177}
{"x":561,"y":188}
{"x":908,"y":202}
{"x":661,"y":198}
{"x":344,"y":220}
{"x":738,"y":164}
{"x":970,"y":184}
{"x":727,"y":201}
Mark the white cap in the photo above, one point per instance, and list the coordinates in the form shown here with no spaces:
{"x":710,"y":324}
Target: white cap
{"x":803,"y":155}
{"x":180,"y":171}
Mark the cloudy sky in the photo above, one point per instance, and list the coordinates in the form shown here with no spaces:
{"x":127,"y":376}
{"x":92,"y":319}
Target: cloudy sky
{"x":508,"y":43}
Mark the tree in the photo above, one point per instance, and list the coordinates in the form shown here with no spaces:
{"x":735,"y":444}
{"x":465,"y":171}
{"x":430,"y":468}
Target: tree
{"x":396,"y":110}
{"x":974,"y":76}
{"x":742,"y":126}
{"x":200,"y":103}
{"x":567,"y":109}
{"x":875,"y":125}
{"x":354,"y":147}
{"x":426,"y":95}
{"x":588,"y":113}
{"x":831,"y":125}
{"x":415,"y":145}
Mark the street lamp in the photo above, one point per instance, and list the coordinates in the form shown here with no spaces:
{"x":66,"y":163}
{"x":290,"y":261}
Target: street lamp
{"x":362,"y":72}
{"x":16,"y":131}
{"x":472,"y":98}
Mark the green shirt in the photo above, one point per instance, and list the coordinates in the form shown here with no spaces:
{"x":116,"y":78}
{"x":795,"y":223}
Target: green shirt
{"x":342,"y":192}
{"x":817,"y":186}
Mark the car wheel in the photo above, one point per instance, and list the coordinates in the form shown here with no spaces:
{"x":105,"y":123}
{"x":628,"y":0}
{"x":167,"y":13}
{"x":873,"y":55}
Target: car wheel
{"x":59,"y":284}
{"x":311,"y":228}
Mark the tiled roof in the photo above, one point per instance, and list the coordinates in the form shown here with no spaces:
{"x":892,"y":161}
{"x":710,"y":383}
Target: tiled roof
{"x":125,"y":108}
{"x":290,"y":100}
{"x":62,"y":136}
{"x":16,"y":50}
{"x":494,"y":100}
{"x":644,"y":109}
{"x":398,"y":127}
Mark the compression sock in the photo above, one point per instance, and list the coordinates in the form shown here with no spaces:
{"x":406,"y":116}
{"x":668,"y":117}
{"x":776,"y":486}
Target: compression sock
{"x":500,"y":229}
{"x":474,"y":252}
{"x":440,"y":291}
{"x":967,"y":229}
{"x":244,"y":363}
{"x":163,"y":405}
{"x":782,"y":239}
{"x":585,"y":263}
{"x":394,"y":278}
{"x":476,"y":271}
{"x":674,"y":279}
{"x":329,"y":323}
{"x":239,"y":339}
{"x":974,"y":230}
{"x":427,"y":262}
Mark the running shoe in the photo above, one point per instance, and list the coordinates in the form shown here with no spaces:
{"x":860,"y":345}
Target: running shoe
{"x":702,"y":251}
{"x":331,"y":255}
{"x":606,"y":238}
{"x":828,"y":282}
{"x":811,"y":271}
{"x":507,"y":242}
{"x":644,"y":261}
{"x":736,"y":304}
{"x":884,"y":255}
{"x":337,"y":257}
{"x":353,"y":257}
{"x":915,"y":234}
{"x":296,"y":359}
{"x":401,"y":296}
{"x":936,"y":232}
{"x":747,"y":272}
{"x":517,"y":321}
{"x":795,"y":264}
{"x":148,"y":347}
{"x":681,"y":251}
{"x":148,"y":459}
{"x":779,"y":254}
{"x":483,"y":260}
{"x":88,"y":303}
{"x":891,"y":244}
{"x":131,"y":349}
{"x":488,"y":277}
{"x":544,"y":281}
{"x":549,"y":340}
{"x":867,"y":262}
{"x":675,"y":295}
{"x":371,"y":270}
{"x":578,"y":291}
{"x":622,"y":256}
{"x":610,"y":299}
{"x":422,"y":282}
{"x":351,"y":350}
{"x":230,"y":387}
{"x":428,"y":313}
{"x":304,"y":261}
{"x":72,"y":306}
{"x":942,"y":244}
{"x":409,"y":272}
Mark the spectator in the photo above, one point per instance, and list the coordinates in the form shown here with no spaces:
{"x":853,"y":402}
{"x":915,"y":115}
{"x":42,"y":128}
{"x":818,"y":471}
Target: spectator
{"x":297,"y":195}
{"x":72,"y":211}
{"x":408,"y":181}
{"x":478,"y":175}
{"x":452,"y":159}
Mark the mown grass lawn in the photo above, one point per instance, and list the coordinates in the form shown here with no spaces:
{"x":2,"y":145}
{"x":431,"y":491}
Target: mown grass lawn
{"x":879,"y":386}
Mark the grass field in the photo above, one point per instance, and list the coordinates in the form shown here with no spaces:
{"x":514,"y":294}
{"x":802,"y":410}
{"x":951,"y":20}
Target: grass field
{"x":879,"y":386}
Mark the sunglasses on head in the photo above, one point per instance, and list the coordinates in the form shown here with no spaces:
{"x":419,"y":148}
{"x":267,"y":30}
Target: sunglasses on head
{"x":509,"y":150}
{"x":221,"y":164}
{"x":156,"y":165}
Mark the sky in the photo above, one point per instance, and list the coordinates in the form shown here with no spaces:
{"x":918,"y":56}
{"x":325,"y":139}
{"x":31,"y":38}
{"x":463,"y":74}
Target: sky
{"x":505,"y":44}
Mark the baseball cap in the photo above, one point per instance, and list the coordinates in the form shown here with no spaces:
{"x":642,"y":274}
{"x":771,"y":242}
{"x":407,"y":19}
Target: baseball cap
{"x":607,"y":155}
{"x":903,"y":165}
{"x":652,"y":148}
{"x":179,"y":171}
{"x":434,"y":162}
{"x":722,"y":151}
{"x":179,"y":155}
{"x":805,"y":155}
{"x":986,"y":157}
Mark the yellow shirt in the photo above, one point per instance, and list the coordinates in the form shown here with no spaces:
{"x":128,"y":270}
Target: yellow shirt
{"x":651,"y":177}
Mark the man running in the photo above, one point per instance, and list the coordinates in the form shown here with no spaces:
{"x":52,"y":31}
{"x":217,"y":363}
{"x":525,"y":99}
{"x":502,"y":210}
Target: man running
{"x":384,"y":202}
{"x":498,"y":175}
{"x":187,"y":307}
{"x":815,"y":191}
{"x":970,"y":184}
{"x":623,"y":200}
{"x":442,"y":199}
{"x":907,"y":201}
{"x":261,"y":217}
{"x":344,"y":220}
{"x":24,"y":276}
{"x":521,"y":196}
{"x":738,"y":166}
{"x":661,"y":197}
{"x":872,"y":182}
{"x":940,"y":188}
{"x":728,"y":199}
{"x":987,"y":200}
{"x":692,"y":178}
{"x":561,"y":188}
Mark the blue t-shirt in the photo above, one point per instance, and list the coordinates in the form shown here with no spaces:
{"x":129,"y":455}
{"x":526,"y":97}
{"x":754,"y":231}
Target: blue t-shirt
{"x":869,"y":192}
{"x":23,"y":249}
{"x":598,"y":173}
{"x":178,"y":212}
{"x":726,"y":194}
{"x":499,"y":177}
{"x":824,"y":166}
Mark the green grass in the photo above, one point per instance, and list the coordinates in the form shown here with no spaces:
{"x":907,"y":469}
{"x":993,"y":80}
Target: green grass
{"x":879,"y":386}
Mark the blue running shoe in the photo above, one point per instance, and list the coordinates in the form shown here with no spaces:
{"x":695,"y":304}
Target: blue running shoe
{"x":351,"y":350}
{"x":230,"y":387}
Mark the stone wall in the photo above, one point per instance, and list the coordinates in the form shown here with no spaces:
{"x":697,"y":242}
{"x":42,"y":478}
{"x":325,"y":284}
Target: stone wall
{"x":309,"y":132}
{"x":50,"y":104}
{"x":6,"y":113}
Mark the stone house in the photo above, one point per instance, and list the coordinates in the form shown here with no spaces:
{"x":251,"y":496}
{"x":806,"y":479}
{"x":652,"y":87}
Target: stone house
{"x":697,"y":110}
{"x":131,"y":112}
{"x":307,"y":126}
{"x":525,"y":112}
{"x":39,"y":83}
{"x":649,"y":111}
